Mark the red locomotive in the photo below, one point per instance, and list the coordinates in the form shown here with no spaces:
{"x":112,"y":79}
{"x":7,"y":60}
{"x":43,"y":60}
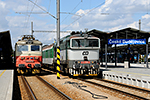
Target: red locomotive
{"x":28,"y":54}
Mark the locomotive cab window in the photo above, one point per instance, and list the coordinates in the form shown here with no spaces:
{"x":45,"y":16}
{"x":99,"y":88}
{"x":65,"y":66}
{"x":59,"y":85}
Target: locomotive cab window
{"x":77,"y":42}
{"x":35,"y":48}
{"x":92,"y":43}
{"x":85,"y":43}
{"x":22,"y":48}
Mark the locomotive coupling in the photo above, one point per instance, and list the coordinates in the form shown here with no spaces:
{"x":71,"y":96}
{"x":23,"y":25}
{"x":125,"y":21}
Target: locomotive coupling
{"x":37,"y":65}
{"x":21,"y":65}
{"x":76,"y":65}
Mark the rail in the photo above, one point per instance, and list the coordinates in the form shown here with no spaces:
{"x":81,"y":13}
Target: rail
{"x":29,"y":88}
{"x":54,"y":88}
{"x":121,"y":89}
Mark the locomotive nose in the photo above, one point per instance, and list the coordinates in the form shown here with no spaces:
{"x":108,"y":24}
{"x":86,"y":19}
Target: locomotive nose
{"x":29,"y":65}
{"x":85,"y":58}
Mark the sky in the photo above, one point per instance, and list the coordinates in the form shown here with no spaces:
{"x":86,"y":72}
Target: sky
{"x":75,"y":15}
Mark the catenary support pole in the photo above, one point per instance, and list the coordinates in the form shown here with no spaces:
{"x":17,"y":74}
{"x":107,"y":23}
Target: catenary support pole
{"x":147,"y":55}
{"x":32,"y":28}
{"x":58,"y":39}
{"x":106,"y":55}
{"x":115,"y":56}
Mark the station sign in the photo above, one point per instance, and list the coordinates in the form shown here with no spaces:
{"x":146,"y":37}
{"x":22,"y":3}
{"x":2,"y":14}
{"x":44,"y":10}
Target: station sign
{"x":126,"y":41}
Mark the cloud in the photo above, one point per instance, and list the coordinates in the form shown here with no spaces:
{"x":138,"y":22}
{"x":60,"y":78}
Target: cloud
{"x":112,"y":15}
{"x":147,"y":16}
{"x":20,"y":24}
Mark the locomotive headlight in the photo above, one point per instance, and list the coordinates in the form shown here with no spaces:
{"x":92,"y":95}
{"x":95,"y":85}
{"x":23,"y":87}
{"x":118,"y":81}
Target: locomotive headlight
{"x":21,"y":58}
{"x":37,"y":57}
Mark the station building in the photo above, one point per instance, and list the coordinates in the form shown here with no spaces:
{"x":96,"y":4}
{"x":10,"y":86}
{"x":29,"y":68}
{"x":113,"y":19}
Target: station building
{"x":132,"y":53}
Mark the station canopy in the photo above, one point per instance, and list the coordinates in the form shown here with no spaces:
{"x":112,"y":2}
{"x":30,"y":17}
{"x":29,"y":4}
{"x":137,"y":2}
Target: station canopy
{"x":5,"y":43}
{"x":127,"y":33}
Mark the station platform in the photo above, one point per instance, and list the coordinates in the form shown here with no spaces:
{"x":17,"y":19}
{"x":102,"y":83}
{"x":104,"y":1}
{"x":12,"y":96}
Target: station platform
{"x":6,"y":84}
{"x":137,"y":75}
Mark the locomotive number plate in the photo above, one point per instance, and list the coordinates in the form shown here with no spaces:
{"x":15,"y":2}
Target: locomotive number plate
{"x":29,"y":61}
{"x":85,"y":62}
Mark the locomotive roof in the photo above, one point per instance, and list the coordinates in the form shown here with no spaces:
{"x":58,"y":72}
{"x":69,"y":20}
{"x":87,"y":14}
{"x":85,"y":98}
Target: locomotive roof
{"x":28,"y":39}
{"x":23,"y":42}
{"x":75,"y":35}
{"x":47,"y":47}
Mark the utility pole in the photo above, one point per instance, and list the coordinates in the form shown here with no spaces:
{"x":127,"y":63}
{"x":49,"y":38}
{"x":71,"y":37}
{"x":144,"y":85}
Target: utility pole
{"x":32,"y":28}
{"x":58,"y":39}
{"x":139,"y":24}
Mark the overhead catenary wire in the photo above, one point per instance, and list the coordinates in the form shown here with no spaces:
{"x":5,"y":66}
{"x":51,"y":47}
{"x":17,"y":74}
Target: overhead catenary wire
{"x":28,"y":16}
{"x":85,"y":14}
{"x":43,"y":9}
{"x":147,"y":6}
{"x":25,"y":17}
{"x":71,"y":12}
{"x":49,"y":5}
{"x":52,"y":31}
{"x":31,"y":12}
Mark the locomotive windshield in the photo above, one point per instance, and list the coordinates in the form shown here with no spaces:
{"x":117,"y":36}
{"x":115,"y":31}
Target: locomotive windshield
{"x":35,"y":48}
{"x":85,"y":43}
{"x":25,"y":48}
{"x":22,"y":48}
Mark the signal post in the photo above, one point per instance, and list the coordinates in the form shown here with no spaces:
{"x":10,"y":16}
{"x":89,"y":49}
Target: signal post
{"x":58,"y":39}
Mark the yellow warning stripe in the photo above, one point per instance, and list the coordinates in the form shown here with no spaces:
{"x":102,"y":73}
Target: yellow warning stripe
{"x":58,"y":68}
{"x":58,"y":56}
{"x":58,"y":50}
{"x":2,"y":73}
{"x":58,"y":62}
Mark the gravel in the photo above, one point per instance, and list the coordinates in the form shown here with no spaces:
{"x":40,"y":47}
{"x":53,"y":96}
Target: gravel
{"x":75,"y":89}
{"x":78,"y":90}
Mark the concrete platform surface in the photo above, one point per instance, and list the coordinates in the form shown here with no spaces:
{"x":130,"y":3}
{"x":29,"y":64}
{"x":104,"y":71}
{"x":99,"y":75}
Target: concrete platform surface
{"x":135,"y":75}
{"x":6,"y":84}
{"x":134,"y":71}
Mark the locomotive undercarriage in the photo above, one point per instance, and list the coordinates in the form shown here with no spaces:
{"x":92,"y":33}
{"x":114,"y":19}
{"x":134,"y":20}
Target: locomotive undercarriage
{"x":84,"y":68}
{"x":24,"y":70}
{"x":84,"y":72}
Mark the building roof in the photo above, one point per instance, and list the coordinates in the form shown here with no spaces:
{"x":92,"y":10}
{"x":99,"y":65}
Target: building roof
{"x":127,"y":33}
{"x":5,"y":43}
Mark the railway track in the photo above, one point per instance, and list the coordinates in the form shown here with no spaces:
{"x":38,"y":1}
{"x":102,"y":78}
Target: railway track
{"x":41,"y":89}
{"x":121,"y":89}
